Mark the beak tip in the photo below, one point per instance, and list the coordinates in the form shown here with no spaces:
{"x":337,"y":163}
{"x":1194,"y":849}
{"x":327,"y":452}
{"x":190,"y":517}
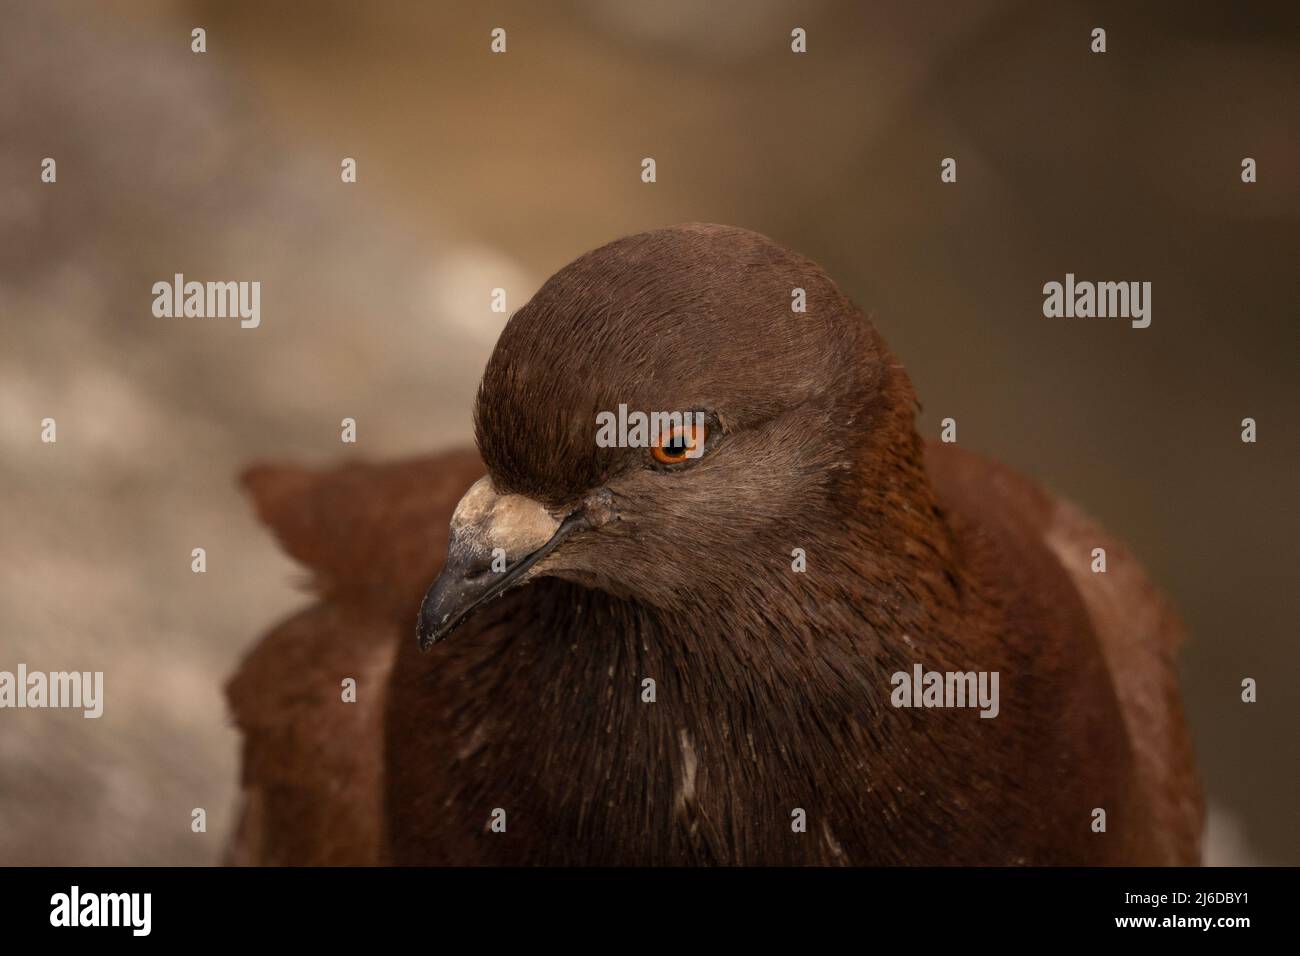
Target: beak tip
{"x":463,"y":584}
{"x":427,"y":634}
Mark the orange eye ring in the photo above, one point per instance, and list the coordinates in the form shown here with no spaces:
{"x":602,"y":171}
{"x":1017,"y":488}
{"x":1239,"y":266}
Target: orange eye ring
{"x":677,"y":446}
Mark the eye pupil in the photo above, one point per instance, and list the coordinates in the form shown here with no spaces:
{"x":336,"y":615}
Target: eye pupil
{"x":679,"y":444}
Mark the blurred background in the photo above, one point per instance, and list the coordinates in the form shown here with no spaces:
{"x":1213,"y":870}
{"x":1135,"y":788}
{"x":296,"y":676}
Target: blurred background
{"x":478,"y":171}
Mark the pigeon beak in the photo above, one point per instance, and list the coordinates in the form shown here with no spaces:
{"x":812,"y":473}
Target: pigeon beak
{"x":512,"y":532}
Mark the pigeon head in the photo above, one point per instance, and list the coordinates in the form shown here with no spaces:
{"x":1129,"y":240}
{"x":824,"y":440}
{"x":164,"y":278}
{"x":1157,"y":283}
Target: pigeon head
{"x":670,"y":416}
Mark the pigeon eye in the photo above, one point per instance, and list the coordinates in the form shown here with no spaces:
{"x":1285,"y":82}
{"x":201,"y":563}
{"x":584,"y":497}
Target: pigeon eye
{"x":680,"y":444}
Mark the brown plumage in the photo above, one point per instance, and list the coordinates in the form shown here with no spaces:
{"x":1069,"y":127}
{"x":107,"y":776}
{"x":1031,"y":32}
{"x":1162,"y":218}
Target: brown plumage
{"x":772,"y":687}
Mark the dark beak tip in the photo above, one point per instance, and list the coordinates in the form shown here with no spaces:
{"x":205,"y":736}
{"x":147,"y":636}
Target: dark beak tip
{"x":426,"y":638}
{"x":427,"y":633}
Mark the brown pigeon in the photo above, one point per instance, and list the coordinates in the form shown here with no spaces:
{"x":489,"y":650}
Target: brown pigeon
{"x":733,"y":642}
